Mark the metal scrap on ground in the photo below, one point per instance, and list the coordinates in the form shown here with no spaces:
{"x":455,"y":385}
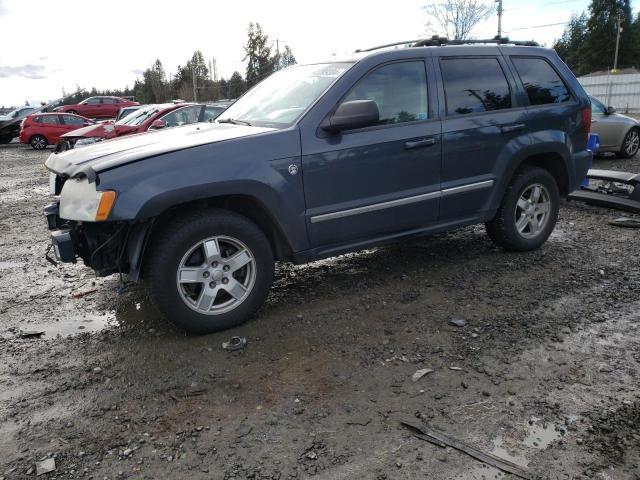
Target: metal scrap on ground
{"x":443,"y":440}
{"x":625,"y":222}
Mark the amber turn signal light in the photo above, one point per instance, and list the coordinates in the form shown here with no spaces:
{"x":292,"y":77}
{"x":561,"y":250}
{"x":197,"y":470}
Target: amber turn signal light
{"x":107,"y":200}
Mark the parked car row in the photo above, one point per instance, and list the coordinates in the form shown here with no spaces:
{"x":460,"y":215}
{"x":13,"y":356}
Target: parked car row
{"x":150,"y":117}
{"x":67,"y":129}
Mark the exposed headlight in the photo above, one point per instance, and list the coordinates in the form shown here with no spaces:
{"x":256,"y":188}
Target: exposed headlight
{"x":80,"y":201}
{"x":87,"y":141}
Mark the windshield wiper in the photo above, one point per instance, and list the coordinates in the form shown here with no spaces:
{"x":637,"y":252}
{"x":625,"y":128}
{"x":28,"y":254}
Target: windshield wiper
{"x":234,"y":121}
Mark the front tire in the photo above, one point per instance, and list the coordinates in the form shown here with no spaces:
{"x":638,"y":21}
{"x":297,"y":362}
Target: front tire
{"x":209,"y":271}
{"x":38,"y":142}
{"x":630,"y":144}
{"x":528,"y":212}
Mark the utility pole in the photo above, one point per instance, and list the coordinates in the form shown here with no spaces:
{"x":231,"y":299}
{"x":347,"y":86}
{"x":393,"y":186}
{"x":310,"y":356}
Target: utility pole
{"x":195,"y":89}
{"x":615,"y":59}
{"x":499,"y":18}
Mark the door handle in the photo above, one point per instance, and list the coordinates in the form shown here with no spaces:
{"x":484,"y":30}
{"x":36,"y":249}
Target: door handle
{"x":512,"y":128}
{"x":427,"y":142}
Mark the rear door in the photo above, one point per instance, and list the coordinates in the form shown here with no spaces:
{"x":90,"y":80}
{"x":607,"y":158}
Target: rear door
{"x":481,"y":129}
{"x":379,"y":180}
{"x":51,"y":127}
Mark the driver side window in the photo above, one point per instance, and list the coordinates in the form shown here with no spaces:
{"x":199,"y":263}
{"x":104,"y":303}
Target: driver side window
{"x":182,"y":116}
{"x":399,"y":90}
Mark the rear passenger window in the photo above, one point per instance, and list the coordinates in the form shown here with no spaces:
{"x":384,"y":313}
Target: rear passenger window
{"x":399,"y":89}
{"x":474,"y":85}
{"x":49,"y":119}
{"x":542,"y":83}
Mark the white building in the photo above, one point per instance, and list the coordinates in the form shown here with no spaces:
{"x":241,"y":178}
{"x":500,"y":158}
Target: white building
{"x":620,"y":90}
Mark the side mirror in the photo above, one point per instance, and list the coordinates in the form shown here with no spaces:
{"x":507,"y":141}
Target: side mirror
{"x":352,"y":115}
{"x":157,"y":124}
{"x":610,"y":111}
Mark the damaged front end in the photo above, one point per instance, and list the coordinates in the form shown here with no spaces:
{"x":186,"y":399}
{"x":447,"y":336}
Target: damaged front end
{"x":80,"y":227}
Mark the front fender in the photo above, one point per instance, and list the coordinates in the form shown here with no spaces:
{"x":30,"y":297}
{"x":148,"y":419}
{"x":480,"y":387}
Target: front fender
{"x":257,"y":167}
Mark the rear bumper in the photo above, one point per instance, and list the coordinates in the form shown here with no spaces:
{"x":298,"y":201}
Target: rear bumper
{"x":581,"y":164}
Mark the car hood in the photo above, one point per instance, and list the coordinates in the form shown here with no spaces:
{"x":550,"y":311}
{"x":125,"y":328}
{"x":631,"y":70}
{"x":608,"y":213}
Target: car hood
{"x":92,"y":159}
{"x":5,"y":118}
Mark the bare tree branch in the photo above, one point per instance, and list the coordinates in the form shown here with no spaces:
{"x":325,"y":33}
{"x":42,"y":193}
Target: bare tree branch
{"x":456,"y":18}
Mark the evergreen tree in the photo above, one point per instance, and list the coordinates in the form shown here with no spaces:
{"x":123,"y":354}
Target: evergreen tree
{"x":567,"y":46}
{"x":260,"y":63}
{"x":285,"y":59}
{"x":236,"y":85}
{"x":598,"y":50}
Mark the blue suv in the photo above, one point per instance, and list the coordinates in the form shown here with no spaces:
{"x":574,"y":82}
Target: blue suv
{"x":327,"y":158}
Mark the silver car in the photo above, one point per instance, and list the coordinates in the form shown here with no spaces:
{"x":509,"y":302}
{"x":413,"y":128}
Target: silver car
{"x":618,"y":133}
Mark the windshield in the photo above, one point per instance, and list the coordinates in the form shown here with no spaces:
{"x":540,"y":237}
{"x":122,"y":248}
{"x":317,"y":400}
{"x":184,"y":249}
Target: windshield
{"x":279,"y":100}
{"x":139,"y":116}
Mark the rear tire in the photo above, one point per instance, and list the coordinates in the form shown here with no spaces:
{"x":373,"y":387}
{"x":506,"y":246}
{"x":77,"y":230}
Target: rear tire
{"x":528,"y":212}
{"x":38,"y":142}
{"x":630,"y":144}
{"x":72,"y":111}
{"x":209,"y":271}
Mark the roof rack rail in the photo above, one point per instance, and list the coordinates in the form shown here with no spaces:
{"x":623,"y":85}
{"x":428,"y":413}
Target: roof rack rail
{"x":437,"y":41}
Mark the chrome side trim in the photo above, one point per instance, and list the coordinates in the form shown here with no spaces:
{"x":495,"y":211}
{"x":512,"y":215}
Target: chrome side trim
{"x":375,"y":207}
{"x":402,"y":201}
{"x":467,"y":188}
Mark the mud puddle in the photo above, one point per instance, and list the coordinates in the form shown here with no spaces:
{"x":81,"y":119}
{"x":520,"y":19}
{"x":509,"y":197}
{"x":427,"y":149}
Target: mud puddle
{"x":74,"y":325}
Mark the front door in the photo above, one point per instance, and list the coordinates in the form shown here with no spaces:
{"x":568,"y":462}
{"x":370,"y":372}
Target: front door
{"x":379,"y":180}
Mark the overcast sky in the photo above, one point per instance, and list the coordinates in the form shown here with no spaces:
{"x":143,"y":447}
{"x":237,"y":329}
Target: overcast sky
{"x":48,"y":45}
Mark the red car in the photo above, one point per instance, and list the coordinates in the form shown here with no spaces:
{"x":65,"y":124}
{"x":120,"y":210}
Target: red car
{"x":97,"y":107}
{"x":42,"y":129}
{"x":149,"y":117}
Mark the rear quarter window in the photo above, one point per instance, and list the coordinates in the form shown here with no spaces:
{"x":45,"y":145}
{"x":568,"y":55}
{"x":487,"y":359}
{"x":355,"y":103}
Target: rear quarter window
{"x":474,"y":85}
{"x":541,"y":82}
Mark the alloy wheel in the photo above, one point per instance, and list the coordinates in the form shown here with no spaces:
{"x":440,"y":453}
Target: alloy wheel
{"x":631,"y":143}
{"x":216,"y":275}
{"x":38,"y":142}
{"x":532,"y":210}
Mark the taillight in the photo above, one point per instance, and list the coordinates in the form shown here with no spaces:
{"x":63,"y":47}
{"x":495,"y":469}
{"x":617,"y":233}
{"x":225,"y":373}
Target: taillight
{"x":586,"y":122}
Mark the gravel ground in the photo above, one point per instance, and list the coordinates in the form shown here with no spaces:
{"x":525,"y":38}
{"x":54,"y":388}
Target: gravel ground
{"x":543,"y":373}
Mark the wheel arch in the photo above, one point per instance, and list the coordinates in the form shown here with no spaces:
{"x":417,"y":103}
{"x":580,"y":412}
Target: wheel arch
{"x":245,"y":205}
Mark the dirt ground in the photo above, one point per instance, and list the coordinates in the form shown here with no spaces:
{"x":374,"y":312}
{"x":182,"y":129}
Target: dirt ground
{"x":545,"y":372}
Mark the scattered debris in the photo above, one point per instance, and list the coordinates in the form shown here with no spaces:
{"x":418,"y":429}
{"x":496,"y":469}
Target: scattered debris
{"x":611,"y":194}
{"x":457,"y":321}
{"x":84,"y":293}
{"x":625,"y":222}
{"x":46,"y":466}
{"x":442,"y":440}
{"x":235,"y":343}
{"x":455,"y":369}
{"x":31,"y":333}
{"x":421,"y":373}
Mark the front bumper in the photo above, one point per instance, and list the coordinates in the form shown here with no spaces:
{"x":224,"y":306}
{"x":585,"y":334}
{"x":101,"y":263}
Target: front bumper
{"x":61,"y":239}
{"x":106,"y":247}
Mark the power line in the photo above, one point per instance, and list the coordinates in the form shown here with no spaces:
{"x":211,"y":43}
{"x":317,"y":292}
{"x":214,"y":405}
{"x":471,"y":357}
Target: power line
{"x":538,"y":26}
